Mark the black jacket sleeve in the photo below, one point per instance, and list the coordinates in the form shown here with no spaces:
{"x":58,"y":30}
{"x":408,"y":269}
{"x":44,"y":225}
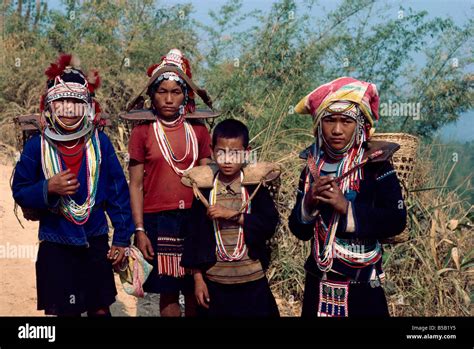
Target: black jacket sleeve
{"x":387,"y":215}
{"x":199,"y":242}
{"x":303,"y":231}
{"x":260,"y":224}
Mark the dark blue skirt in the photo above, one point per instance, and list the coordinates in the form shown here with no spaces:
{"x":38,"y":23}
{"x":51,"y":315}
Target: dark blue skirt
{"x":166,"y":224}
{"x":71,"y":280}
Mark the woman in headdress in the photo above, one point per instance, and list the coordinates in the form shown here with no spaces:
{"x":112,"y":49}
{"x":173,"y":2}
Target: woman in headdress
{"x":160,"y":152}
{"x":70,"y":174}
{"x":349,"y":198}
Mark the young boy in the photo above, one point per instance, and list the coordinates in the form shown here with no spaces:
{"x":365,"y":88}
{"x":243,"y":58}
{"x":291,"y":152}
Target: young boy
{"x":70,"y":174}
{"x":227,"y":249}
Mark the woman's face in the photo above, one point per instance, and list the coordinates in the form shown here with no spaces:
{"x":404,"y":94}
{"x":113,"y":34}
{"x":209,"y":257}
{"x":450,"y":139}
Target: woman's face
{"x":338,"y":130}
{"x":69,"y":110}
{"x":168,"y":98}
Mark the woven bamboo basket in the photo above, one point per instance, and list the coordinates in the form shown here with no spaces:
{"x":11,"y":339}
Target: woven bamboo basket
{"x":403,"y":162}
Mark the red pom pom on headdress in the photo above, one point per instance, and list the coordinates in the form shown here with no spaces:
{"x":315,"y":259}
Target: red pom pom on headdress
{"x":58,"y":68}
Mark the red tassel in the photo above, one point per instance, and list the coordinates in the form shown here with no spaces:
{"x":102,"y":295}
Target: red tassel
{"x":150,"y":69}
{"x":187,"y":68}
{"x":42,"y":98}
{"x":97,"y":107}
{"x":93,"y":80}
{"x":170,"y":265}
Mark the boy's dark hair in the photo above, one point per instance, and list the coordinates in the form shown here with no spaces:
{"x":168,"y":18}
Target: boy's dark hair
{"x":231,"y":128}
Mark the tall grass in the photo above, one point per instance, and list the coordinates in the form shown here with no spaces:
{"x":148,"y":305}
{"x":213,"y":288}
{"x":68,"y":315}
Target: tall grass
{"x":431,"y":274}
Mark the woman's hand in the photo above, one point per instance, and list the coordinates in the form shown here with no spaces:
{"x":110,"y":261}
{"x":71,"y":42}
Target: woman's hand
{"x":334,"y":197}
{"x":144,"y":245}
{"x":116,"y":254}
{"x":63,"y":183}
{"x":320,"y":185}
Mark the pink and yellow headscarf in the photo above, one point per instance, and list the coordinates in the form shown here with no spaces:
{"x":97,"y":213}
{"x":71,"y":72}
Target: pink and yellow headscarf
{"x":363,"y":94}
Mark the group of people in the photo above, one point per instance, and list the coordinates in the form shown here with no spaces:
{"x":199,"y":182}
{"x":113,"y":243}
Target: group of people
{"x":213,"y":251}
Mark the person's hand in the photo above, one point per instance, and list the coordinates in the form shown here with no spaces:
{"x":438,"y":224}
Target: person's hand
{"x":334,"y":197}
{"x":116,"y":254}
{"x":218,"y":211}
{"x":320,"y":185}
{"x":144,"y":245}
{"x":63,"y":183}
{"x":200,"y":291}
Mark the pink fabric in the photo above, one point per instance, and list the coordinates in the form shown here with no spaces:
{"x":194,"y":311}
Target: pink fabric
{"x":370,"y":97}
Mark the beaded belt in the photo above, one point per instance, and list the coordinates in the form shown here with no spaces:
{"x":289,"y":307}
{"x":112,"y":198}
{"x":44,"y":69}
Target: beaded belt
{"x":375,"y":280}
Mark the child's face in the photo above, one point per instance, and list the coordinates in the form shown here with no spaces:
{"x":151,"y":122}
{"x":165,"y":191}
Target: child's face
{"x":229,"y":153}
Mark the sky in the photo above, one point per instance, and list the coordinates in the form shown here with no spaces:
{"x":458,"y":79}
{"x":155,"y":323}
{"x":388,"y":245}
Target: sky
{"x":459,"y":10}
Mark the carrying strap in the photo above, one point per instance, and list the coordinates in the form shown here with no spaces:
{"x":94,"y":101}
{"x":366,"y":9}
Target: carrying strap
{"x":198,"y":194}
{"x":371,"y":147}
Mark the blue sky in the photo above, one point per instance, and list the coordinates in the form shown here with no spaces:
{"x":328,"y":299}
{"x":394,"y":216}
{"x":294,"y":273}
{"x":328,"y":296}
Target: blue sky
{"x":459,"y":10}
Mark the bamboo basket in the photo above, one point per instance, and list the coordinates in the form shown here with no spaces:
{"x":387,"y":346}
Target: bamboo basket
{"x":403,"y":162}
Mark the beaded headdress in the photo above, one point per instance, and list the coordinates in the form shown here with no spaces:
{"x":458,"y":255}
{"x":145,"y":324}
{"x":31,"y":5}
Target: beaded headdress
{"x":67,"y":81}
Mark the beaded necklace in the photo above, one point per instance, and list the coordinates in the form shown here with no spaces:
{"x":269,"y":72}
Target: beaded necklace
{"x":240,"y":248}
{"x":52,"y":165}
{"x":167,"y":151}
{"x":176,"y":122}
{"x":326,"y":234}
{"x":72,"y":146}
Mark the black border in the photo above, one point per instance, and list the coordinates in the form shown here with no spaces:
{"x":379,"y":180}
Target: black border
{"x":322,"y":332}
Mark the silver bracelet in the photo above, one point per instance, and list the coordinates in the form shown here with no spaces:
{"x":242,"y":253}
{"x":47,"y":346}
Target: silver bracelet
{"x":140,"y":229}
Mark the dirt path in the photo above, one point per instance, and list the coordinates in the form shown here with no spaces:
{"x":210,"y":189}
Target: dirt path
{"x":17,"y":270}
